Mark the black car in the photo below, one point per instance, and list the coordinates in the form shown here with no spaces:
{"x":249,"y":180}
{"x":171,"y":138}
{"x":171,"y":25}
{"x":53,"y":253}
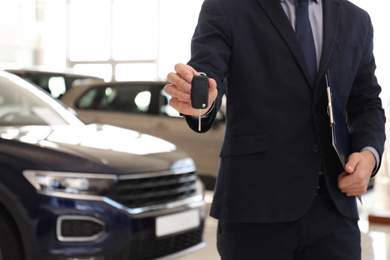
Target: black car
{"x":55,"y":83}
{"x":91,"y":192}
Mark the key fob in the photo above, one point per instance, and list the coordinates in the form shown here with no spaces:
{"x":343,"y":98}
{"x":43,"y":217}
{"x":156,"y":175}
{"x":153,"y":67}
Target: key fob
{"x":200,"y":91}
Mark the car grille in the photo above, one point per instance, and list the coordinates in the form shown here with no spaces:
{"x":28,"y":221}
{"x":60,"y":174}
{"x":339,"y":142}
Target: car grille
{"x":142,"y":192}
{"x":147,"y":247}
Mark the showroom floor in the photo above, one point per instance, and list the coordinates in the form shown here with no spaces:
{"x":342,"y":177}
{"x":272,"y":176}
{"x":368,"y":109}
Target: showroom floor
{"x":375,"y":237}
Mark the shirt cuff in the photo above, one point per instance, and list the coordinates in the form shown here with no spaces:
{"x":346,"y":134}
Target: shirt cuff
{"x":376,"y":155}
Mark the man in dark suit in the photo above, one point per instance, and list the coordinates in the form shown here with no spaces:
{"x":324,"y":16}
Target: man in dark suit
{"x":282,"y":192}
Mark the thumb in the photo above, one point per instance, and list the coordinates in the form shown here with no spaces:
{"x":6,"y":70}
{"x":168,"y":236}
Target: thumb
{"x":353,"y":160}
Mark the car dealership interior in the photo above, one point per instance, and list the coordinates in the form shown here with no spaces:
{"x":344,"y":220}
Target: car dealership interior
{"x":98,"y":179}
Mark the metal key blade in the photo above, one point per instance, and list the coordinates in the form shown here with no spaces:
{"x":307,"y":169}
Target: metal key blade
{"x":200,"y":121}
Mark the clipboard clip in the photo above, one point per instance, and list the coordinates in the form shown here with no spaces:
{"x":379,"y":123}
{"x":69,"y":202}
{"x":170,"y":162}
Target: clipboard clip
{"x":330,"y":108}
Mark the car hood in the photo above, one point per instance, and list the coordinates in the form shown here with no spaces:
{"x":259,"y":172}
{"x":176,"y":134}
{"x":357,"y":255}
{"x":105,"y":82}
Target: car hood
{"x":89,"y":148}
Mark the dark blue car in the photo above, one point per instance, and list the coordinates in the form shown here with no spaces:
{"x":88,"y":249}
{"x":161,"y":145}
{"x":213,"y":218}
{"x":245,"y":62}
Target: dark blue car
{"x":89,"y":192}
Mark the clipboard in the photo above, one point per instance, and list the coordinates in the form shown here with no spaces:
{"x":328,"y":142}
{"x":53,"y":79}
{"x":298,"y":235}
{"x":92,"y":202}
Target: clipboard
{"x":340,"y":132}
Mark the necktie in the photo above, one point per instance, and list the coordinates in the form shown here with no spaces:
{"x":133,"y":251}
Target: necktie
{"x":305,"y":37}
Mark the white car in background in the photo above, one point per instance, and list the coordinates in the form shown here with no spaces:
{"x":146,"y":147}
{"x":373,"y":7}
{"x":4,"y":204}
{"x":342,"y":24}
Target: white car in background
{"x":143,"y":106}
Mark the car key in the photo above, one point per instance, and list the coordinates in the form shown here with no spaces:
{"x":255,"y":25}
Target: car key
{"x":200,"y":94}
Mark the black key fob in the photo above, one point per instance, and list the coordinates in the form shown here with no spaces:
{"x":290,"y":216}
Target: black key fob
{"x":200,"y":91}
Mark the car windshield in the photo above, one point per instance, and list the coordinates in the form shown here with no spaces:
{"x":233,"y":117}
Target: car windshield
{"x":21,"y":103}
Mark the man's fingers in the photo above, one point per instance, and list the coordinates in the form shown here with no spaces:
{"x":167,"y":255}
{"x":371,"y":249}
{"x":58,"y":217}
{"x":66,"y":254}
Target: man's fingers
{"x":186,"y":72}
{"x":346,"y":184}
{"x":181,"y":107}
{"x":212,"y":84}
{"x":344,"y":181}
{"x":182,"y":78}
{"x":353,"y":184}
{"x":174,"y":92}
{"x":179,"y":82}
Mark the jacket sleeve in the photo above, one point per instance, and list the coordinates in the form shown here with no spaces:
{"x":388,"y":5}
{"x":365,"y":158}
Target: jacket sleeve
{"x":210,"y":53}
{"x":366,"y":117}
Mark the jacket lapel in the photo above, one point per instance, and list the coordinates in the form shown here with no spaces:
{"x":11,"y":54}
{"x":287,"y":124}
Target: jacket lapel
{"x":331,"y":16}
{"x":276,"y":14}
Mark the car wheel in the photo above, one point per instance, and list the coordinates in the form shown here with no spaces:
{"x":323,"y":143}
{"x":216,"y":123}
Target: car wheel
{"x":10,"y":243}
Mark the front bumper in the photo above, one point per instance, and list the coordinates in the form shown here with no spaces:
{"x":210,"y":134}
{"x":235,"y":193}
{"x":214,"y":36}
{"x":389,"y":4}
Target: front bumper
{"x":69,"y":229}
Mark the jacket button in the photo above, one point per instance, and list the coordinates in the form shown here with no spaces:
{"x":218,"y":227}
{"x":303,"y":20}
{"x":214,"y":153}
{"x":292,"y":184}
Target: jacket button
{"x":316,"y":148}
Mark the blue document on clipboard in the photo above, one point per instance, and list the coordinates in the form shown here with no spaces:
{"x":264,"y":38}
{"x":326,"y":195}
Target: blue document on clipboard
{"x":340,"y":132}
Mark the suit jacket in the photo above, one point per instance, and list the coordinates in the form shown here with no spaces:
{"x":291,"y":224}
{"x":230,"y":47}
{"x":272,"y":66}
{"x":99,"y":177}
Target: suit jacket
{"x":278,"y":137}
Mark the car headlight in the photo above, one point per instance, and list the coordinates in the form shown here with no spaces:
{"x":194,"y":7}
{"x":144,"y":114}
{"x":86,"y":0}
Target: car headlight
{"x":69,"y":183}
{"x":186,"y":164}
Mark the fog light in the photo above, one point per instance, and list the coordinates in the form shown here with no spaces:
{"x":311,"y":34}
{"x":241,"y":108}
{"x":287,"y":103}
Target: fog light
{"x":79,"y":229}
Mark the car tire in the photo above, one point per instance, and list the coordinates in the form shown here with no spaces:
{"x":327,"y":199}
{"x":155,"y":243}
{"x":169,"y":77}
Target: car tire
{"x":10,"y":243}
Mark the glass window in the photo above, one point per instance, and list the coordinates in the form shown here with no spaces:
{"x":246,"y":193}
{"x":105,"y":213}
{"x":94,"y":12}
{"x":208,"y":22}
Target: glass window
{"x":57,"y":86}
{"x":120,"y":98}
{"x":53,"y":37}
{"x":90,"y":30}
{"x":9,"y":10}
{"x":18,"y":10}
{"x":135,"y":71}
{"x":135,"y":30}
{"x":17,"y":55}
{"x":172,"y":52}
{"x":28,"y":10}
{"x":87,"y":100}
{"x":24,"y":104}
{"x":142,"y":101}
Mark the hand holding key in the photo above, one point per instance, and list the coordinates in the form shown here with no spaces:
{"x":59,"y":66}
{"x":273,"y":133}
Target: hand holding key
{"x":200,"y":94}
{"x":180,"y":90}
